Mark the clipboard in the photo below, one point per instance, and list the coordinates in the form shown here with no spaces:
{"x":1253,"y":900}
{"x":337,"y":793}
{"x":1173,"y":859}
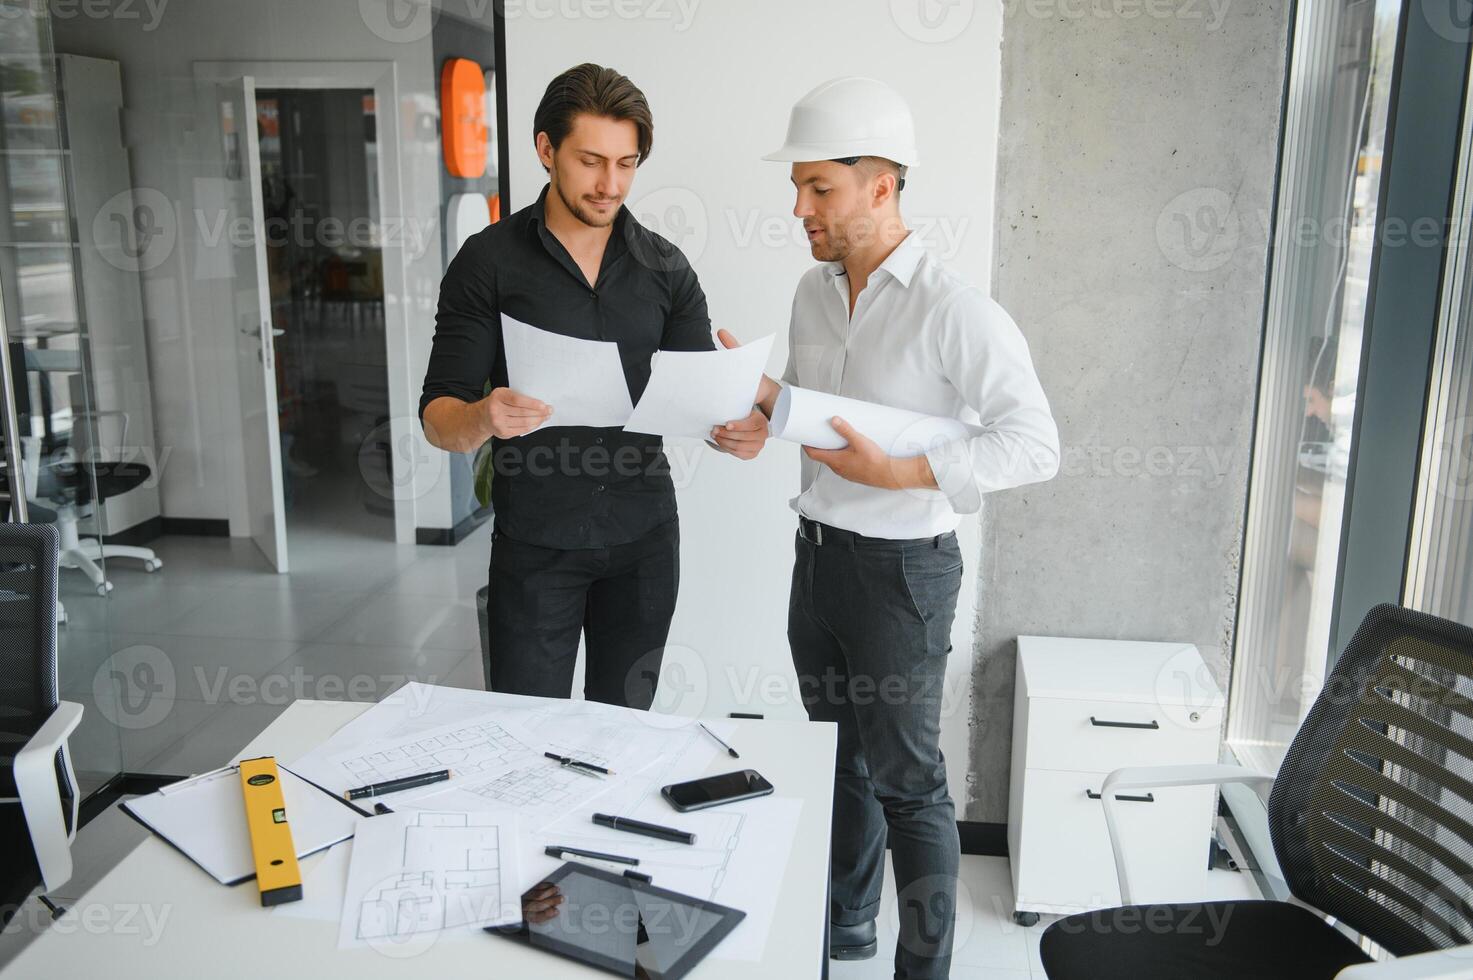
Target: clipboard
{"x":204,"y":819}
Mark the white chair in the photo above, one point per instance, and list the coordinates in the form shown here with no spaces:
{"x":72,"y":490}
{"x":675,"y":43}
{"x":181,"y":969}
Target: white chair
{"x":35,"y":763}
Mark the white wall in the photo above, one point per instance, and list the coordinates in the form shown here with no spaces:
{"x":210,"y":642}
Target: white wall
{"x":720,"y":76}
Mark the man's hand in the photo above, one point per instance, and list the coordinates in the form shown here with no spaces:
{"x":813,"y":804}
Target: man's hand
{"x":863,"y":461}
{"x":513,"y":414}
{"x":742,"y":438}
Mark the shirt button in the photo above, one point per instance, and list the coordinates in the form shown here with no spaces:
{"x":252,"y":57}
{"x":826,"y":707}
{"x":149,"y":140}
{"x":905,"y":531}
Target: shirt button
{"x":600,"y":488}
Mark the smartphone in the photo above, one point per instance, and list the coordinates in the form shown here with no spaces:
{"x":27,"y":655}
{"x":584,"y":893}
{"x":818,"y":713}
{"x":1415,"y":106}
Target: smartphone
{"x":713,"y":790}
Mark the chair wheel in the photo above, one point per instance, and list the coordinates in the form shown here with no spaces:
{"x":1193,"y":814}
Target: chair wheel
{"x":152,"y":565}
{"x":104,"y":588}
{"x":1026,"y":919}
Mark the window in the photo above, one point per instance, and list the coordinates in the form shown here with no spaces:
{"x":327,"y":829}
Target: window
{"x":1334,"y":130}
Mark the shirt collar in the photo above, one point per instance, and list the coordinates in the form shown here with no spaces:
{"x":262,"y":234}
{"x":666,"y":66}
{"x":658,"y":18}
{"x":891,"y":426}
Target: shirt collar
{"x":617,"y":243}
{"x":901,"y":263}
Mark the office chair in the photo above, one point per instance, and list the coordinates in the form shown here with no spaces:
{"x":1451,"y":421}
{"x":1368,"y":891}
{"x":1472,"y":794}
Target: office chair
{"x":65,"y":477}
{"x":35,"y":760}
{"x":1371,"y":818}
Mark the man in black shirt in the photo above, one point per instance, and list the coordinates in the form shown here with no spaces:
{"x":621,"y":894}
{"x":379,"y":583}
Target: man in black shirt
{"x":586,"y":537}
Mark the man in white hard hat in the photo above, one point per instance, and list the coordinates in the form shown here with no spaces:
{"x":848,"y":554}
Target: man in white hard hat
{"x":878,"y":568}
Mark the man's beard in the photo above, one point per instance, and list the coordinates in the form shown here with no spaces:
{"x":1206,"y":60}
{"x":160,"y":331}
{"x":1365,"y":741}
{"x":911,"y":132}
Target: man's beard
{"x":582,"y":214}
{"x":831,"y":249}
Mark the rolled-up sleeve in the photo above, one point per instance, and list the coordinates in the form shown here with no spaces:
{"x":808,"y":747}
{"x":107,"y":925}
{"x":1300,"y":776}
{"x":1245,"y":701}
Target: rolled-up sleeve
{"x":467,"y":329}
{"x":985,"y":357}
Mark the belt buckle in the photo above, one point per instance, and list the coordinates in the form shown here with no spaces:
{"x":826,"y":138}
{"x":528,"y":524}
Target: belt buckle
{"x":817,"y":538}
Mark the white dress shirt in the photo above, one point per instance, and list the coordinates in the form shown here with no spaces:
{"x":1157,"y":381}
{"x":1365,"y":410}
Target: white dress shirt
{"x":923,"y":339}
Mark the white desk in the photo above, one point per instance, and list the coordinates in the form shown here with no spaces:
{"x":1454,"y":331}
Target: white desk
{"x":209,"y":930}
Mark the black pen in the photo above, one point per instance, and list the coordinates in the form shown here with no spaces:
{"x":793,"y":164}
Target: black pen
{"x":570,"y":761}
{"x":730,"y":751}
{"x":644,"y":829}
{"x":557,"y":851}
{"x":395,"y":785}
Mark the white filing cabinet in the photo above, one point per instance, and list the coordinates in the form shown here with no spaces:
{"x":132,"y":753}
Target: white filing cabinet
{"x":1083,"y":708}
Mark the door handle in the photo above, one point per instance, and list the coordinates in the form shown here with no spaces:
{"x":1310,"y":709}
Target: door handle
{"x":1148,"y":798}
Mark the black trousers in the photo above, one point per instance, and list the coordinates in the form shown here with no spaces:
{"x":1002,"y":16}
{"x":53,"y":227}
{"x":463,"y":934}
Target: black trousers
{"x":869,"y":624}
{"x":621,"y":598}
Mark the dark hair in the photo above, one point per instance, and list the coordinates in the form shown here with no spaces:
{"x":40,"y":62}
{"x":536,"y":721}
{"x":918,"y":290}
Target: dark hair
{"x":599,"y":91}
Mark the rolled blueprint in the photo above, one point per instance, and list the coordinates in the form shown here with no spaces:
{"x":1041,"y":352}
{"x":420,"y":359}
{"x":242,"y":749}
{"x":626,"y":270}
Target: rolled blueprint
{"x":802,"y":416}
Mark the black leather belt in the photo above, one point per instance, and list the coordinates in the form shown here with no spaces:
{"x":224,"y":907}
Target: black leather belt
{"x":815,"y":532}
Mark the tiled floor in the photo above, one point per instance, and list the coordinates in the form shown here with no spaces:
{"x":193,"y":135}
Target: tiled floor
{"x":989,"y":945}
{"x":181,"y":667}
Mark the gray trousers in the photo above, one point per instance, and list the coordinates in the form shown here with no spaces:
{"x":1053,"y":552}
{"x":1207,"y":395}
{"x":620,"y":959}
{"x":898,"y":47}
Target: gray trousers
{"x":869,"y":624}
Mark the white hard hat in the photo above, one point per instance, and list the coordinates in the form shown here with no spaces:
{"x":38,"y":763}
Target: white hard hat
{"x":849,"y":117}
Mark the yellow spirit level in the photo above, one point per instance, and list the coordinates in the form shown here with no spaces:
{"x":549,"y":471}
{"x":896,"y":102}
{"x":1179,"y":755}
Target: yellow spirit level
{"x":277,"y":874}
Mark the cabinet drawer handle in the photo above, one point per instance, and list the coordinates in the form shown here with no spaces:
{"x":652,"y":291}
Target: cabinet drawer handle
{"x":1148,"y":798}
{"x":1152,"y":724}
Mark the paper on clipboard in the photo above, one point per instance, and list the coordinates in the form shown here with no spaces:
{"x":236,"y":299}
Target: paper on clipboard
{"x":205,"y":818}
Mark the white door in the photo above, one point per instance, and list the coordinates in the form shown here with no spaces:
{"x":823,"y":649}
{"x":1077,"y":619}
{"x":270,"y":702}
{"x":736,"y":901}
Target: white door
{"x":255,"y":348}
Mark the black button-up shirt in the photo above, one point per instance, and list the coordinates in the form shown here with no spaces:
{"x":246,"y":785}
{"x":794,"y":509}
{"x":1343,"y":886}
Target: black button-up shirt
{"x":568,"y":486}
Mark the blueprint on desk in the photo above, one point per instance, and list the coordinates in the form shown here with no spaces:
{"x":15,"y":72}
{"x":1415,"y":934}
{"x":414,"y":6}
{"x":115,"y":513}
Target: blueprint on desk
{"x":415,"y":873}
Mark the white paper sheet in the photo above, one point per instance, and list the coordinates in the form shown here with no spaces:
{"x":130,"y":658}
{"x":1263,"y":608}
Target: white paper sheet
{"x":205,"y":818}
{"x":802,"y":416}
{"x":583,"y":380}
{"x":692,"y":392}
{"x":416,"y":873}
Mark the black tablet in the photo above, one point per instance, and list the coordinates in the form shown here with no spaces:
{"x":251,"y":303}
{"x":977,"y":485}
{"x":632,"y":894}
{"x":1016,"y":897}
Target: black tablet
{"x":623,"y":926}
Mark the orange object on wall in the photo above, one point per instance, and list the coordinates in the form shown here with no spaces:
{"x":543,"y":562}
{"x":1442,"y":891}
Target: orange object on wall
{"x":463,"y":117}
{"x":493,"y":202}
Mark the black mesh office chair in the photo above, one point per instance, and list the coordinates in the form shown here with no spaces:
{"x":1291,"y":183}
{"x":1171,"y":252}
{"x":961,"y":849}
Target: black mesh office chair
{"x":37,"y":787}
{"x":1371,"y":818}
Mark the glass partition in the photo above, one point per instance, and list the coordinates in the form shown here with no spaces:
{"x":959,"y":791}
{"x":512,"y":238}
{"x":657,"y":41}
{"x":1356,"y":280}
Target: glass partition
{"x":50,"y":396}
